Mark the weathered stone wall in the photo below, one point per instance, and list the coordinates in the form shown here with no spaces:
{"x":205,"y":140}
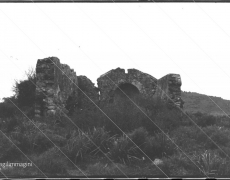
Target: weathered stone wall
{"x":57,"y":87}
{"x":169,"y":89}
{"x":88,"y":90}
{"x":164,"y":88}
{"x":110,"y":81}
{"x":53,"y":86}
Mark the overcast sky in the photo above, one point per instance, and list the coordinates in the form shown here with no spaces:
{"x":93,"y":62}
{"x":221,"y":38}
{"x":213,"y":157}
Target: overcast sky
{"x":189,"y":39}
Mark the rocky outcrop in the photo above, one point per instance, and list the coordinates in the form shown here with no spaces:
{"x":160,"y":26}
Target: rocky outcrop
{"x":55,"y":83}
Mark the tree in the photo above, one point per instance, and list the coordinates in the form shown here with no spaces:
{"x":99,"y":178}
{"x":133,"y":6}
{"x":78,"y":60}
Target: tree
{"x":25,"y":90}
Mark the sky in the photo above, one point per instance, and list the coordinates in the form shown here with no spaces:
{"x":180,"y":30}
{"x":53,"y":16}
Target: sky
{"x":189,"y":39}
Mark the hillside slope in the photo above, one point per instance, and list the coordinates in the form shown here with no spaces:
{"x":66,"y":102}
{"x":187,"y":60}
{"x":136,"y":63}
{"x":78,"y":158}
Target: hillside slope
{"x":199,"y":102}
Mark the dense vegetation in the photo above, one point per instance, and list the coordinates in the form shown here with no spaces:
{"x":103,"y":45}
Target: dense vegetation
{"x":152,"y":139}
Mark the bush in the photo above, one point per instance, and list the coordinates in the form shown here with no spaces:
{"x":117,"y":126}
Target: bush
{"x":223,"y":121}
{"x":44,"y":141}
{"x":191,"y":138}
{"x":124,"y":114}
{"x":125,"y":148}
{"x":219,"y":135}
{"x":7,"y":108}
{"x":210,"y":161}
{"x":87,"y":119}
{"x":9,"y":124}
{"x":25,"y":90}
{"x":32,"y":139}
{"x":81,"y":145}
{"x":202,"y":119}
{"x":159,"y":146}
{"x":100,"y":141}
{"x":139,"y":136}
{"x":179,"y":165}
{"x":21,"y":131}
{"x":162,"y":118}
{"x":8,"y":150}
{"x":205,"y":163}
{"x":186,"y":138}
{"x":224,"y":152}
{"x":77,"y":146}
{"x":51,"y":162}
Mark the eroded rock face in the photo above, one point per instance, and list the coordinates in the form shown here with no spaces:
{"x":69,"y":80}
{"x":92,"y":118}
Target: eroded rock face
{"x":55,"y":83}
{"x":167,"y":88}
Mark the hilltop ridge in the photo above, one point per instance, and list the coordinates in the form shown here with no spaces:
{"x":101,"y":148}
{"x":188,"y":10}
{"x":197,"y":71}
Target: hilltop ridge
{"x":195,"y":102}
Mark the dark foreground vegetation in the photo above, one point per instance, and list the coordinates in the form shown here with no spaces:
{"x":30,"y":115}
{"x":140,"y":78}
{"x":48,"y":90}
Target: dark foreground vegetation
{"x":153,"y":140}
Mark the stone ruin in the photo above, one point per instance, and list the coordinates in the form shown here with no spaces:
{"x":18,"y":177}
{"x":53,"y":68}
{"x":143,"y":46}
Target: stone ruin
{"x":59,"y":90}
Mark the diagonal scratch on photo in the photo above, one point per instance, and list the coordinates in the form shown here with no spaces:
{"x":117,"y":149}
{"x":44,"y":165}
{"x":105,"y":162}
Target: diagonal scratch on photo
{"x":119,"y":90}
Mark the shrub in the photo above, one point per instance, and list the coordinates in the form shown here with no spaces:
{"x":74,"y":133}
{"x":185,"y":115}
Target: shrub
{"x":204,"y":163}
{"x":139,"y":136}
{"x":186,"y":138}
{"x":210,"y":161}
{"x":77,"y":146}
{"x":202,"y":119}
{"x":179,"y":165}
{"x":125,"y":148}
{"x":100,"y":141}
{"x":44,"y":141}
{"x":223,"y":121}
{"x":25,"y":90}
{"x":21,"y":131}
{"x":87,"y":119}
{"x":124,"y":114}
{"x":159,"y":145}
{"x":51,"y":162}
{"x":84,"y":144}
{"x":36,"y":136}
{"x":162,"y":117}
{"x":7,"y":108}
{"x":122,"y":150}
{"x":9,"y":124}
{"x":224,"y":152}
{"x":219,"y":135}
{"x":191,"y":138}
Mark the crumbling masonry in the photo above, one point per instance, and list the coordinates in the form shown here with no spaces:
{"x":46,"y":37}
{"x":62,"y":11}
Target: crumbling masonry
{"x":57,"y":87}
